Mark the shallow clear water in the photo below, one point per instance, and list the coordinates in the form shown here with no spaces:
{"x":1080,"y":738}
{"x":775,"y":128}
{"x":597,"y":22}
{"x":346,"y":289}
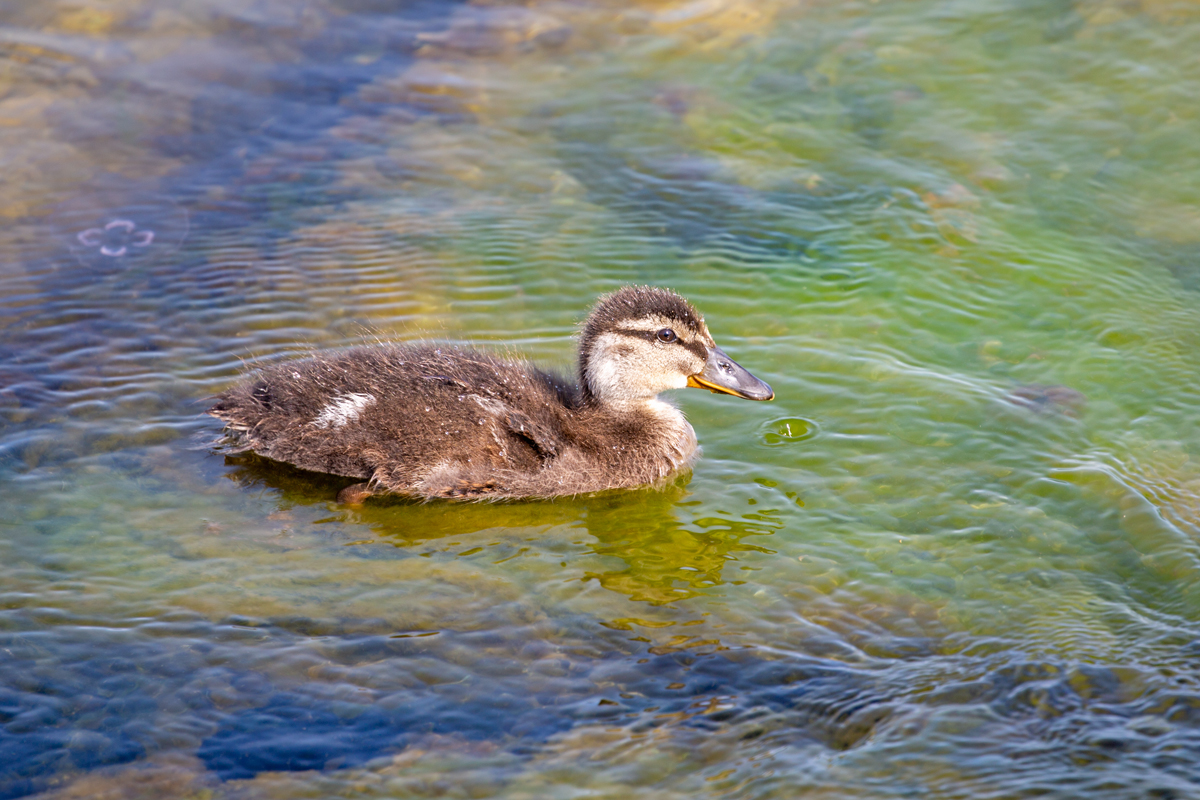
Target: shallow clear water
{"x":958,"y":556}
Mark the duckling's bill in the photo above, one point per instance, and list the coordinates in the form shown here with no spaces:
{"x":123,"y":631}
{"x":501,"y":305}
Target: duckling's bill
{"x":723,"y":375}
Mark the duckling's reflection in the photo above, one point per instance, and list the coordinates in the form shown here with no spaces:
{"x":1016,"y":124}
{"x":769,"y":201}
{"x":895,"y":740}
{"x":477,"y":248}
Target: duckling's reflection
{"x":666,"y":559}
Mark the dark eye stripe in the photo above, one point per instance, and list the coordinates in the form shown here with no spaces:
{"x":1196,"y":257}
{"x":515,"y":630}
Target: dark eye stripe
{"x":649,"y":336}
{"x":696,"y":347}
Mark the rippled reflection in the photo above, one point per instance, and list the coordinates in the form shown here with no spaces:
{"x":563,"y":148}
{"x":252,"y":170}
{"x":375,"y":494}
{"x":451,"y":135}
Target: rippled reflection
{"x":957,"y":556}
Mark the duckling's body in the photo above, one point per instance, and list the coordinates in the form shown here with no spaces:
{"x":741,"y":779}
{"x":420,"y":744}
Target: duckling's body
{"x":446,"y":422}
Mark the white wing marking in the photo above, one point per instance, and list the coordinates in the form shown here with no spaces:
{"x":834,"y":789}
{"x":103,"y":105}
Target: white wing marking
{"x":343,"y":409}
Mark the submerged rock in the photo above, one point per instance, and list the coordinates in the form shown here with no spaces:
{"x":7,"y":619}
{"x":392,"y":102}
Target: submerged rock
{"x":1043,"y":399}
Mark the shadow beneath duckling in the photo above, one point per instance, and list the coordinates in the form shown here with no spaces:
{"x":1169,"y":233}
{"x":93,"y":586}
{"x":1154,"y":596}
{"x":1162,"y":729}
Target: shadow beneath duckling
{"x":295,"y":485}
{"x":667,"y":554}
{"x":298,"y":485}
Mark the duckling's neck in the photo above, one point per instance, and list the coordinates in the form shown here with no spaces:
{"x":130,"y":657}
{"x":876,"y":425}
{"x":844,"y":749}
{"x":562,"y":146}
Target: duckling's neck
{"x":652,"y":427}
{"x":617,"y":404}
{"x":667,"y":437}
{"x":650,"y":409}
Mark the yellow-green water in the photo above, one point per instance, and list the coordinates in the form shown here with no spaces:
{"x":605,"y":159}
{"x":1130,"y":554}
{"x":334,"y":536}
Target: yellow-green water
{"x":958,"y":556}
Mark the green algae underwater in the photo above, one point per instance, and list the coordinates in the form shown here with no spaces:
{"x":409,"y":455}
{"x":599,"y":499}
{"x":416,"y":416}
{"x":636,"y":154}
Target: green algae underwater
{"x":958,"y":556}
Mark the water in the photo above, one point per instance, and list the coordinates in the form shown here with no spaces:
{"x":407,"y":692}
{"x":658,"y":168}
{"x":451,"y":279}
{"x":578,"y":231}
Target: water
{"x":957,"y":556}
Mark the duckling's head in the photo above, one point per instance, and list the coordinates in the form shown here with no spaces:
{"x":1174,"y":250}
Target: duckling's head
{"x":642,"y":340}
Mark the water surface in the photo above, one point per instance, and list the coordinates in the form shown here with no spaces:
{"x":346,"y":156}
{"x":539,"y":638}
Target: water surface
{"x":958,"y":556}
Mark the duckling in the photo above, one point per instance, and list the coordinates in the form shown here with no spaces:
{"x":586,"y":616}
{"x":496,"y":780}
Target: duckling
{"x":429,"y":421}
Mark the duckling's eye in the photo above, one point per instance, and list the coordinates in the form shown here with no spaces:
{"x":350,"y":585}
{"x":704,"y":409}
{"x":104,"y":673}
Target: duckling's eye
{"x":666,"y":336}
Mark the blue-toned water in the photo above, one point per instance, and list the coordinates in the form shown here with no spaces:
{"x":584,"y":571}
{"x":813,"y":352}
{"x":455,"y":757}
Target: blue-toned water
{"x":958,"y":555}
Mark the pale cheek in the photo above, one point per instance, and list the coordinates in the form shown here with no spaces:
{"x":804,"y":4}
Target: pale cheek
{"x":680,"y":382}
{"x":605,"y":380}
